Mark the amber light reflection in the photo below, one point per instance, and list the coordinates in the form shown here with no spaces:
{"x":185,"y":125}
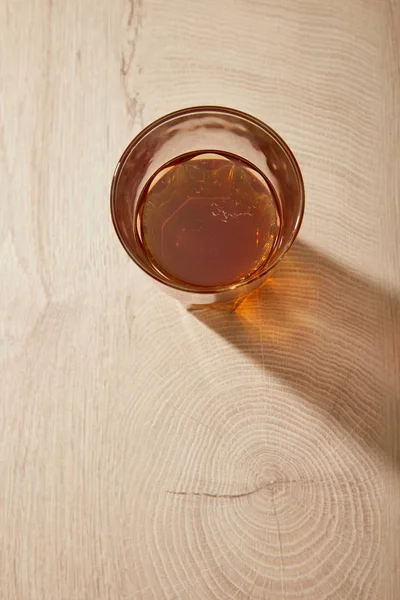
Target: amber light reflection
{"x":283,"y":307}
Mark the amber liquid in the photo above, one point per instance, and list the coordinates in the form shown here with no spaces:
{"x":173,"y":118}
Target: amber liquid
{"x":208,"y":219}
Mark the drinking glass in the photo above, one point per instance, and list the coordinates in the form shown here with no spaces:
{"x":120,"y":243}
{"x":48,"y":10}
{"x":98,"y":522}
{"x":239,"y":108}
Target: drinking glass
{"x":194,"y":129}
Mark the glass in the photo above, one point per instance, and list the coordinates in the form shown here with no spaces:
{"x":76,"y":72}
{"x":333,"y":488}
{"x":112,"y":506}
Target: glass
{"x":209,"y":129}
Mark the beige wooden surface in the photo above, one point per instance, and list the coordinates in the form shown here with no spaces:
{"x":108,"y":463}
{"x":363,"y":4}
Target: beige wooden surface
{"x":147,"y":453}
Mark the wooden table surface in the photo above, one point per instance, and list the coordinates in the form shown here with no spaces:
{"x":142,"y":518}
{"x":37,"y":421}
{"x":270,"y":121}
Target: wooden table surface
{"x":150,"y":453}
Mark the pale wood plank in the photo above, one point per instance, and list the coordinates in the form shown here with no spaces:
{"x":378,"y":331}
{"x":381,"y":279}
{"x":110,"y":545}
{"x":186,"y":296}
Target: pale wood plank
{"x":146,"y":453}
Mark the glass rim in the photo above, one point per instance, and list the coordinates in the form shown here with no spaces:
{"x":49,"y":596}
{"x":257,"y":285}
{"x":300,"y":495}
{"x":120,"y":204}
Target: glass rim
{"x":193,"y":110}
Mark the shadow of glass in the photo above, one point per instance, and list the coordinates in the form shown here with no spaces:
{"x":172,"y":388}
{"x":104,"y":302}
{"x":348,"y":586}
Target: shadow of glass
{"x":332,"y":336}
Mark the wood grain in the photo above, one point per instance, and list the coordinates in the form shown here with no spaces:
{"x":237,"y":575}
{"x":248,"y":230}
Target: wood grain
{"x":150,"y":453}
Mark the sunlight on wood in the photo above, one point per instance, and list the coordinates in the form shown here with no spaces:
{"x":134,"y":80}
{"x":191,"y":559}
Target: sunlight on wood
{"x":151,"y":453}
